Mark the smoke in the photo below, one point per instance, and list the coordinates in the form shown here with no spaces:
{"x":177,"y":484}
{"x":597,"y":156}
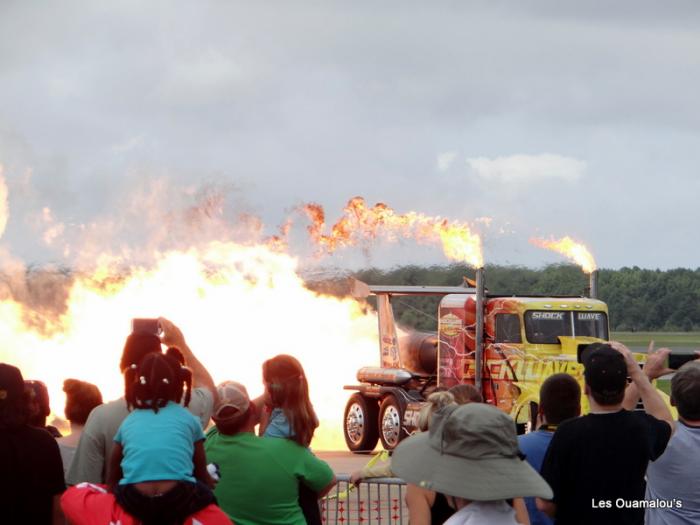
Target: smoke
{"x":151,"y":219}
{"x":42,"y":294}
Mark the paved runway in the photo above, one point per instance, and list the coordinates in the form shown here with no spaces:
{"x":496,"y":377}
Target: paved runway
{"x":344,"y":462}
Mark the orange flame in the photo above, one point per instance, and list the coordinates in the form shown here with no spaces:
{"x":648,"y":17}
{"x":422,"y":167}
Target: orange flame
{"x":238,"y":302}
{"x":361,"y":223}
{"x":572,"y":249}
{"x":236,"y":305}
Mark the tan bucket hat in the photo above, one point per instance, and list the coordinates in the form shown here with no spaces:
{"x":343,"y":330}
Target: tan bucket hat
{"x":471,"y":451}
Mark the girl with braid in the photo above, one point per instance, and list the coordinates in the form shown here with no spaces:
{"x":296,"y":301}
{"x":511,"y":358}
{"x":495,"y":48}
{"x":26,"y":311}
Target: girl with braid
{"x":158,"y":464}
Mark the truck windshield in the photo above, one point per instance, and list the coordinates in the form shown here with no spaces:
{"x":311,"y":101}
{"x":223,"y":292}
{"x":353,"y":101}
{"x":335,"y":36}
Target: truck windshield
{"x":545,"y":326}
{"x":591,"y":324}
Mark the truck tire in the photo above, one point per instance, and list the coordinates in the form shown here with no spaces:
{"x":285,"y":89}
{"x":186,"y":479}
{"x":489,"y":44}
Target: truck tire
{"x":360,"y":424}
{"x":391,"y":430}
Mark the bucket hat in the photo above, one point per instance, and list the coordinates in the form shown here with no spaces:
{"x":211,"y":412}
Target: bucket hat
{"x":471,"y":451}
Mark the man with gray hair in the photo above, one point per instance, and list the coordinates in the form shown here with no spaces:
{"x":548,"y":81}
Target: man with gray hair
{"x":672,"y":490}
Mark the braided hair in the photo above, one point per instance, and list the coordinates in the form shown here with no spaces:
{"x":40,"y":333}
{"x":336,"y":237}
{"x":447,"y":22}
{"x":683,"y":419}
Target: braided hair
{"x":156,"y":380}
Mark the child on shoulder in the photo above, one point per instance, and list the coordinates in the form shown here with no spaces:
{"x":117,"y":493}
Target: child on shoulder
{"x":159,"y":464}
{"x":290,"y":415}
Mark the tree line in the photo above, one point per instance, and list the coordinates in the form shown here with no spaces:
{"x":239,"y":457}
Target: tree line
{"x":638,"y":299}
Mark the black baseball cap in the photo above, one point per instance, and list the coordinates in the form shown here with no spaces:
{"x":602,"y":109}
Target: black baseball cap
{"x":605,"y":369}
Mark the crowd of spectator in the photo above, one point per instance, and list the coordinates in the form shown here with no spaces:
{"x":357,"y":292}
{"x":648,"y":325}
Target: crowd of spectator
{"x":145,"y":459}
{"x":152,"y":456}
{"x":615,"y":465}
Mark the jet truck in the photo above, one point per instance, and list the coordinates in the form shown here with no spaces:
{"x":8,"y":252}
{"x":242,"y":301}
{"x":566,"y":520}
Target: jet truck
{"x":504,"y":345}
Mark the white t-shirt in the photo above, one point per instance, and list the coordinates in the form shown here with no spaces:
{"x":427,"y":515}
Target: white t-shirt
{"x":484,"y":513}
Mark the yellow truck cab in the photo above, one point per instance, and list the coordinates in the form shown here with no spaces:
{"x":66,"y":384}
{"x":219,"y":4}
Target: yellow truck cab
{"x":504,"y":345}
{"x":526,"y":339}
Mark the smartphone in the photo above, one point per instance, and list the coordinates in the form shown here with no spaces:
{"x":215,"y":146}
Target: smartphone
{"x":146,"y":326}
{"x":675,"y":361}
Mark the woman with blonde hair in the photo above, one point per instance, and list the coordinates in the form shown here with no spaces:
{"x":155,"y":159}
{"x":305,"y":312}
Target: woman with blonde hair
{"x":436,"y":401}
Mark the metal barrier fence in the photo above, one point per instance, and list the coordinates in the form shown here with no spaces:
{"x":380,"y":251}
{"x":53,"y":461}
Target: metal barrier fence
{"x":375,"y":500}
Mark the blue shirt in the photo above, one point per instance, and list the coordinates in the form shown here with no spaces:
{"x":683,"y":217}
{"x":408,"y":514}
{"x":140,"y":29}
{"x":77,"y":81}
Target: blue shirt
{"x":534,"y":445}
{"x":277,"y":425}
{"x":158,"y":446}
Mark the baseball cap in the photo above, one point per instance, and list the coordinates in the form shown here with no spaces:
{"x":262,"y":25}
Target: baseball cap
{"x":471,"y":451}
{"x":605,"y":368}
{"x":233,"y":402}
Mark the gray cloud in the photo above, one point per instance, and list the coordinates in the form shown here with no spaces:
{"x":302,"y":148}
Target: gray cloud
{"x":321,"y":101}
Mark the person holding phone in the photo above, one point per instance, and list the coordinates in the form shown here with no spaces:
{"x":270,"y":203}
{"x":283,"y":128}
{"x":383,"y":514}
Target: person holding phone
{"x":91,"y":461}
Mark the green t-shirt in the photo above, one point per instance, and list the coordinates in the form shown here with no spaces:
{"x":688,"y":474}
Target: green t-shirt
{"x":260,"y":477}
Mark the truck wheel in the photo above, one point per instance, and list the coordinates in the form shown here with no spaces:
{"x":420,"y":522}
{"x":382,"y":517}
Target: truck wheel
{"x":360,"y":424}
{"x":391,"y":430}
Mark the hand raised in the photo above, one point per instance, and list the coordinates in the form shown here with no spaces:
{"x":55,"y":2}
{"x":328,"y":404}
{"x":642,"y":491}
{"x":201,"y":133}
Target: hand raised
{"x":655,"y":365}
{"x":172,"y":335}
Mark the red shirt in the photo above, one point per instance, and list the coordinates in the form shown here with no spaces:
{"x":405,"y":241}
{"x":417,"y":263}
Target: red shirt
{"x":88,"y":504}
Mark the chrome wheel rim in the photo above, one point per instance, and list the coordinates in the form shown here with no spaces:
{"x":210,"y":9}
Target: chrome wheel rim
{"x":355,"y":423}
{"x":391,"y":426}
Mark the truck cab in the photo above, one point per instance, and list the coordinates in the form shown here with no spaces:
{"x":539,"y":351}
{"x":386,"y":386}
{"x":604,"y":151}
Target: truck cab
{"x":526,"y":339}
{"x":505,"y":345}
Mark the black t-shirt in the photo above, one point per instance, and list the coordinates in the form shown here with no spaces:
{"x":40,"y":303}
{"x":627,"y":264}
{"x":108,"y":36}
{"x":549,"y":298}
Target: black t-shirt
{"x":595,"y":465}
{"x":31,"y":474}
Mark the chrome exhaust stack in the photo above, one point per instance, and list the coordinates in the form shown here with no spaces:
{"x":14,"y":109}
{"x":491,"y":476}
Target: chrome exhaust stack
{"x":593,"y":286}
{"x":479,"y":339}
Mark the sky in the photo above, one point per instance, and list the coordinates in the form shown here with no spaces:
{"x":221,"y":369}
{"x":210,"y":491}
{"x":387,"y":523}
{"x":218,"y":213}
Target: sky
{"x":551,"y":118}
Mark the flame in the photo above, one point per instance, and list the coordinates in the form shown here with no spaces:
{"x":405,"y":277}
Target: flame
{"x":238,"y":301}
{"x":237,"y":306}
{"x":361,"y":223}
{"x":572,"y":249}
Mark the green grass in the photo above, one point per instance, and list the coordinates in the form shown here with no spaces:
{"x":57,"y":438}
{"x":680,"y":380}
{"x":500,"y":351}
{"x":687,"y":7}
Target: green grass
{"x":680,"y":341}
{"x":685,"y":340}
